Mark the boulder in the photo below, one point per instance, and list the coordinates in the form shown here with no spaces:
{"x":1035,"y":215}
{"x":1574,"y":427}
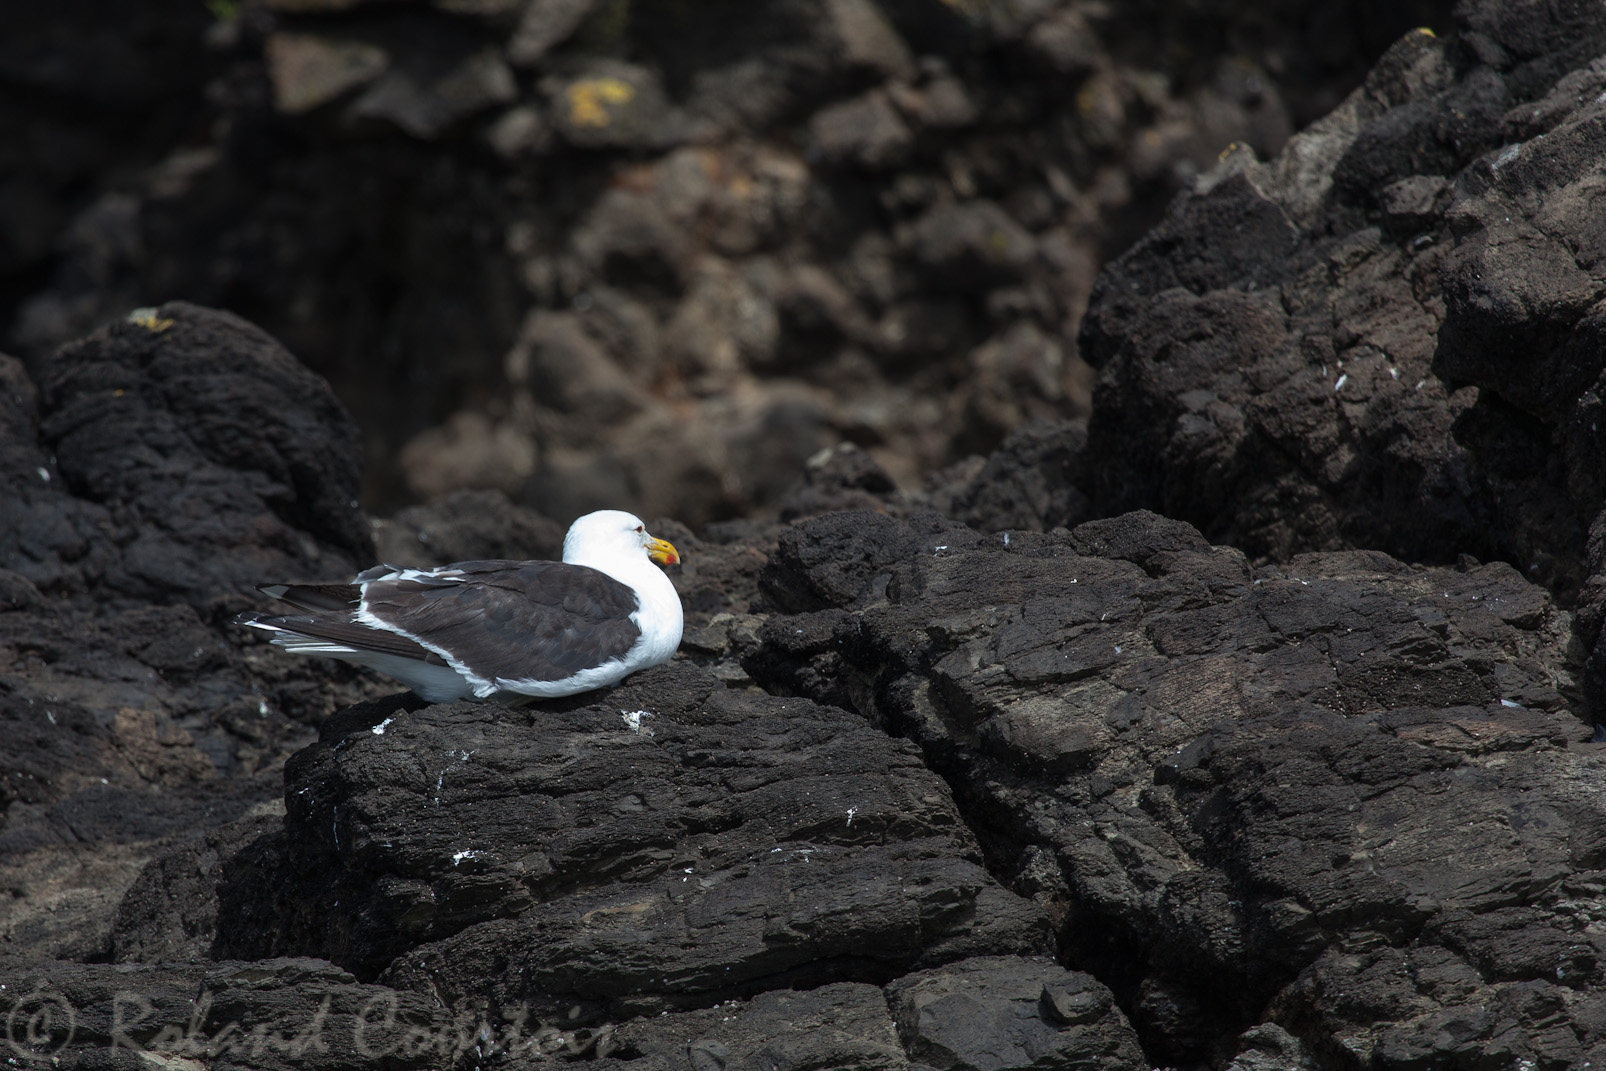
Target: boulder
{"x":1009,"y":1011}
{"x":667,"y":846}
{"x":893,"y":210}
{"x":1320,"y":351}
{"x":1235,"y":787}
{"x":152,"y":474}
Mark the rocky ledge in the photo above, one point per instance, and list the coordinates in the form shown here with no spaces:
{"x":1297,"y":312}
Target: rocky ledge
{"x":672,"y":866}
{"x":1007,"y":772}
{"x":1344,"y":795}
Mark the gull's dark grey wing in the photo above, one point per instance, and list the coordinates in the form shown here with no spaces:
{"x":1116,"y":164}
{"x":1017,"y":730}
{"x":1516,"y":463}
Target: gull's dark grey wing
{"x":316,"y":598}
{"x":539,"y":621}
{"x":342,"y":630}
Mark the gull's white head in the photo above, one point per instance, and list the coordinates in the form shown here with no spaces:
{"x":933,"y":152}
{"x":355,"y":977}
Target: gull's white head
{"x":611,"y":535}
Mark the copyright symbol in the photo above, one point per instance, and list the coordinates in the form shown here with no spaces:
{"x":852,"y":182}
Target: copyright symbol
{"x":40,"y":1024}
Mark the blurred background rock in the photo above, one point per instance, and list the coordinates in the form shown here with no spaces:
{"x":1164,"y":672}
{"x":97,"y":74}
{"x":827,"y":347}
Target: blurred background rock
{"x":643,"y":253}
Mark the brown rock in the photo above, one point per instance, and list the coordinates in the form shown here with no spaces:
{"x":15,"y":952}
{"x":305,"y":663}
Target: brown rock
{"x":468,"y":451}
{"x":427,"y":106}
{"x":565,"y":370}
{"x":867,"y":39}
{"x":544,"y":25}
{"x":867,"y":131}
{"x":308,"y":71}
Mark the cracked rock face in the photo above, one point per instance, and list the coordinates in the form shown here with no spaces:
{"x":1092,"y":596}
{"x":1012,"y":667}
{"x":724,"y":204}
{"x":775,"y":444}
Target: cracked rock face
{"x":1235,"y":788}
{"x":1109,"y":796}
{"x":149,"y":474}
{"x":995,"y":1011}
{"x":678,"y":845}
{"x":760,"y":231}
{"x":993,"y":774}
{"x":672,"y":867}
{"x":1386,"y":336}
{"x":675,"y":868}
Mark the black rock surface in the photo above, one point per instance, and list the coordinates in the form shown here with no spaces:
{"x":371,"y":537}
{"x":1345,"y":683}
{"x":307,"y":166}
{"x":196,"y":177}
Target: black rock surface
{"x":152,"y":473}
{"x":673,"y":845}
{"x":1233,"y":787}
{"x":738,"y":234}
{"x":1384,"y":337}
{"x":995,"y":773}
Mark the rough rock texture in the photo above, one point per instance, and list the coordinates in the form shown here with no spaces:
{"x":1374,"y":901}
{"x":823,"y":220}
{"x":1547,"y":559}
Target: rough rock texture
{"x":151,"y":473}
{"x":269,"y":1014}
{"x":1032,"y":482}
{"x":1348,"y":790}
{"x":998,"y":1011}
{"x":466,"y":526}
{"x":1028,"y":788}
{"x":844,"y":1024}
{"x":1333,"y":812}
{"x":740,"y":233}
{"x":200,"y":453}
{"x":588,"y":875}
{"x":1386,"y":336}
{"x":754,"y":868}
{"x":673,"y":845}
{"x":302,"y":1013}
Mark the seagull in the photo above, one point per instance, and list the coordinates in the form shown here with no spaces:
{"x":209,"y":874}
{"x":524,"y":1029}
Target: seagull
{"x":505,"y":630}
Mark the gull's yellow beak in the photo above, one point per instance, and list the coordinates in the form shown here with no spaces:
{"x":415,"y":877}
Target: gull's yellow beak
{"x":663,"y":552}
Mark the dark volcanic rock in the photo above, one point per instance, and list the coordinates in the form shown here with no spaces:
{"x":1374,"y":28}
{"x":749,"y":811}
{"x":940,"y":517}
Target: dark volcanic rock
{"x":200,"y":453}
{"x":149,"y":475}
{"x":971,"y":246}
{"x":668,"y":845}
{"x":270,"y":1014}
{"x":1032,"y":482}
{"x":467,"y":526}
{"x":1005,"y":1011}
{"x":1386,"y":336}
{"x":836,"y":559}
{"x":392,"y":189}
{"x":1231,"y":786}
{"x":1340,"y":811}
{"x":839,"y":1025}
{"x":841,"y":478}
{"x":169,"y":913}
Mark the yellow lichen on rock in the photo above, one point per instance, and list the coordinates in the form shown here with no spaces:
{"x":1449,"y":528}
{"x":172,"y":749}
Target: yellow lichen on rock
{"x":148,"y":319}
{"x":590,"y":98}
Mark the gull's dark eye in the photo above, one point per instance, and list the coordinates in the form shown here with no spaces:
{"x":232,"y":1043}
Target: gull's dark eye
{"x":639,"y":528}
